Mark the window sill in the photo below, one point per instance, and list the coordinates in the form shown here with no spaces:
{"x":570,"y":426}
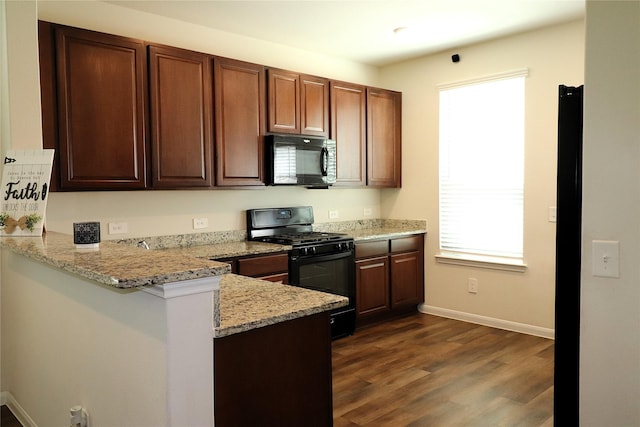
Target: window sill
{"x":479,"y":261}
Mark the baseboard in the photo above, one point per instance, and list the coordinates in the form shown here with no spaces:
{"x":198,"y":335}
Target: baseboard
{"x":488,"y":321}
{"x":7,"y":399}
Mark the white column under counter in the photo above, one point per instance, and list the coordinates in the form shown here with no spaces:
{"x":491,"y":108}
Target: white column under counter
{"x":124,"y":332}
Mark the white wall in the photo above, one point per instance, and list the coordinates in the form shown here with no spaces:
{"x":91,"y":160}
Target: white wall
{"x":68,"y":341}
{"x":609,"y":339}
{"x":171,"y":212}
{"x":554,"y":56}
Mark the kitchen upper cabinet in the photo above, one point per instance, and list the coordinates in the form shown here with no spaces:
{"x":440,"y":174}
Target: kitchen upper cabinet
{"x":123,"y":114}
{"x":384,"y":138}
{"x":298,"y":103}
{"x":46,"y":53}
{"x":101,"y":113}
{"x":389,"y":278}
{"x":239,"y":89}
{"x":349,"y":130}
{"x":181,"y":91}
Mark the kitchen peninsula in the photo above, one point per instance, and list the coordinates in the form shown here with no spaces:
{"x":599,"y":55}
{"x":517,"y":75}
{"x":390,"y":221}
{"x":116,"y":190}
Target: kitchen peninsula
{"x":125,"y":332}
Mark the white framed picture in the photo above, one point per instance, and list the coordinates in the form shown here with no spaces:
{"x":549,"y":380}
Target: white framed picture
{"x":26,"y":175}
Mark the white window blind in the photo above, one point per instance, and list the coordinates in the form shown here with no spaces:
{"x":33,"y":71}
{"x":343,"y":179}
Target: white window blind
{"x":482,"y":167}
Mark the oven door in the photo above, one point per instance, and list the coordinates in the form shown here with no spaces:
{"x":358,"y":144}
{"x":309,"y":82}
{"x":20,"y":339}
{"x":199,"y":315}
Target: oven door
{"x":332,"y":273}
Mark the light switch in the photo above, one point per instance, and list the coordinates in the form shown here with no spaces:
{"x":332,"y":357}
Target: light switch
{"x":605,"y":258}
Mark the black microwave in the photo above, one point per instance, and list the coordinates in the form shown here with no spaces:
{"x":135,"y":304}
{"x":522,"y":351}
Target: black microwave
{"x":301,"y":160}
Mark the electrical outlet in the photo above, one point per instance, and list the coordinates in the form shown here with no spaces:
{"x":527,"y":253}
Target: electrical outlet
{"x":200,"y":223}
{"x":118,"y":228}
{"x":473,"y":285}
{"x":334,"y":214}
{"x":368,"y":212}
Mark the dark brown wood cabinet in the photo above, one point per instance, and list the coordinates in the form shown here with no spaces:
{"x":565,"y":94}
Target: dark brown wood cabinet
{"x":277,"y":375}
{"x":181,"y":91}
{"x":274,"y":268}
{"x":384,"y":137}
{"x":239,"y":90}
{"x":196,"y":121}
{"x":372,"y":277}
{"x":406,"y":278}
{"x":389,"y":278}
{"x":101,"y":110}
{"x":349,"y":130}
{"x":48,"y":97}
{"x":298,"y":103}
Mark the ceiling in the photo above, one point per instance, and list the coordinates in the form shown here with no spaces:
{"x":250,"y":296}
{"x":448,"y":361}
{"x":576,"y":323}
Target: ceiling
{"x":363,"y":30}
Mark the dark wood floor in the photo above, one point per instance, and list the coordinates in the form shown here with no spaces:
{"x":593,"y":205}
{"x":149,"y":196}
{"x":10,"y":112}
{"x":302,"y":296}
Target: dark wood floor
{"x":7,"y":419}
{"x":426,"y":370}
{"x":431,"y":371}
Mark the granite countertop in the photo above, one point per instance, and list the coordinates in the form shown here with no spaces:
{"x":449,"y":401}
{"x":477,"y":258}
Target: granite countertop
{"x":247,"y":303}
{"x":112,"y":264}
{"x":241,"y":304}
{"x":387,"y":231}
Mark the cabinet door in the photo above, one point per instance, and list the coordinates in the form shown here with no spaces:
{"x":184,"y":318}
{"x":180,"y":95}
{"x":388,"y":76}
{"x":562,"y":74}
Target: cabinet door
{"x":284,"y":101}
{"x":384,"y":120}
{"x":406,"y":277}
{"x":101,"y":106}
{"x":372,"y":286}
{"x":46,"y":52}
{"x":349,"y":130}
{"x":181,"y":118}
{"x":314,"y":101}
{"x":239,"y":92}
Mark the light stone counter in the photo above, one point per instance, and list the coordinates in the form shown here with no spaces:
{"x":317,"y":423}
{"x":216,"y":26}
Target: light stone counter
{"x":247,"y":303}
{"x":112,"y":264}
{"x":375,"y":228}
{"x":242,"y":303}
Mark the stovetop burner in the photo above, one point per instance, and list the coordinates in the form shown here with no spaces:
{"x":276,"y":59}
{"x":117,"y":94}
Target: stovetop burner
{"x":289,"y":226}
{"x":302,"y":238}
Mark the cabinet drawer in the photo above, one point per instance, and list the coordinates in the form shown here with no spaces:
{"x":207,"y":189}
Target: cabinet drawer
{"x":374,"y":248}
{"x":404,"y":244}
{"x":264,"y":265}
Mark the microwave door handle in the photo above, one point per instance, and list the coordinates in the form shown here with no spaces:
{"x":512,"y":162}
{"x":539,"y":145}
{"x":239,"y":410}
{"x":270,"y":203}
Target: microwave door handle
{"x":324,"y":161}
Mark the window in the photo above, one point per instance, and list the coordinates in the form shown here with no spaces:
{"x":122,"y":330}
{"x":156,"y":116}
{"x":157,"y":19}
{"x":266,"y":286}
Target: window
{"x":482,"y":168}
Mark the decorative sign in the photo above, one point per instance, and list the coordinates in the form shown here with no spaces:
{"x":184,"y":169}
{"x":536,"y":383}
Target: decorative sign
{"x":25,"y":186}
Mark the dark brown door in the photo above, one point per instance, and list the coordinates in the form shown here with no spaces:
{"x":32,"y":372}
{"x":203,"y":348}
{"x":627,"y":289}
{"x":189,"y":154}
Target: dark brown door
{"x":349,"y":130}
{"x":383,"y":138}
{"x":314,"y":102}
{"x":372,"y":286}
{"x":239,"y":91}
{"x":101,"y":107}
{"x":284,"y":101}
{"x":181,"y":118}
{"x":406,"y":283}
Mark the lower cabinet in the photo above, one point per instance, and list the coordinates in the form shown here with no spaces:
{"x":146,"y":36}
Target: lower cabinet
{"x":274,"y":268}
{"x":389,"y":278}
{"x":278,"y":375}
